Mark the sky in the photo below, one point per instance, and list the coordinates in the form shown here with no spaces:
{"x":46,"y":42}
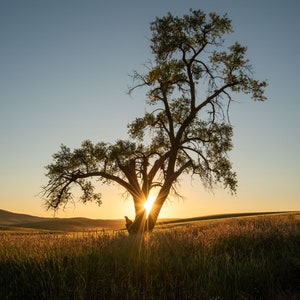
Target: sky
{"x":65,"y":70}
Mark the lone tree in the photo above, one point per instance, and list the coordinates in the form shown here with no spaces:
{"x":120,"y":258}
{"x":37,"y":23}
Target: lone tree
{"x":191,"y":82}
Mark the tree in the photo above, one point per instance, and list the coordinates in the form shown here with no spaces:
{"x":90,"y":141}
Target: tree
{"x":190,"y":86}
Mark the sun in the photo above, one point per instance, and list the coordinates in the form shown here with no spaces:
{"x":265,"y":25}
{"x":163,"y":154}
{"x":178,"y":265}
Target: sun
{"x":148,"y":204}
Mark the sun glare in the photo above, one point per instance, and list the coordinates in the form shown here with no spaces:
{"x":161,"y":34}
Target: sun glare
{"x":148,"y":204}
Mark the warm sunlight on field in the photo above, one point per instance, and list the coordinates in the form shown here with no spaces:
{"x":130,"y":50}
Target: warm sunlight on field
{"x":148,"y":204}
{"x":237,"y":257}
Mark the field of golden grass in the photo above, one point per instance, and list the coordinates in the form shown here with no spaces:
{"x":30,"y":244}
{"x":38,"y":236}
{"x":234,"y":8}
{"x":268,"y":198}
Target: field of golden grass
{"x":253,"y":257}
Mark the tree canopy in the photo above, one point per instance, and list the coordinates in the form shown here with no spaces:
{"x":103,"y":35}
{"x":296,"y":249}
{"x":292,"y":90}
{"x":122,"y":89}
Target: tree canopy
{"x":191,"y":82}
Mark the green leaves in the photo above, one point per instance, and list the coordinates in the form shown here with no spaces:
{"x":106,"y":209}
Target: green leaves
{"x":136,"y":129}
{"x":188,"y":34}
{"x":68,"y":169}
{"x":236,"y":71}
{"x":170,"y":72}
{"x":206,"y":145}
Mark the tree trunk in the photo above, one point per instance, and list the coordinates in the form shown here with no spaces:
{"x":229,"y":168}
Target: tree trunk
{"x":141,"y":223}
{"x":138,"y":225}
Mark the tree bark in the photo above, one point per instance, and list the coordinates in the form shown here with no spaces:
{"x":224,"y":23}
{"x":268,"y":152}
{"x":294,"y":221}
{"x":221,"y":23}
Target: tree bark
{"x":138,"y":226}
{"x":142,"y":223}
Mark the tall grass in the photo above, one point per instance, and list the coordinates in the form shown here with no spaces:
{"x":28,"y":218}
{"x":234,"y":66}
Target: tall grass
{"x":246,"y":258}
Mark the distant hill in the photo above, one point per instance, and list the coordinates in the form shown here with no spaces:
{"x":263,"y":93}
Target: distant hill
{"x":213,"y":217}
{"x":10,"y":220}
{"x":14,"y":221}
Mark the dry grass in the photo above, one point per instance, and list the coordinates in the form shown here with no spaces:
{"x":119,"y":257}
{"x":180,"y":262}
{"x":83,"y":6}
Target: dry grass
{"x":238,"y":258}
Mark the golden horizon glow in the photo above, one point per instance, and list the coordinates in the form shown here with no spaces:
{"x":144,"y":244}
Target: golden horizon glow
{"x":149,"y":203}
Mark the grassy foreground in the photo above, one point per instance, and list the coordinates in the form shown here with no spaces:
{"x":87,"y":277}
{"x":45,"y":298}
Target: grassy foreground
{"x":239,"y":258}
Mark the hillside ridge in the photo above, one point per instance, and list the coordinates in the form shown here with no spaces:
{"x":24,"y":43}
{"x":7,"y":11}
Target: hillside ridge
{"x":8,"y":220}
{"x":16,"y":221}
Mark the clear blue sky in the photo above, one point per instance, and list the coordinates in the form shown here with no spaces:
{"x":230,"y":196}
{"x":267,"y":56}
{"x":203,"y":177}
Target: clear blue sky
{"x":64,"y":69}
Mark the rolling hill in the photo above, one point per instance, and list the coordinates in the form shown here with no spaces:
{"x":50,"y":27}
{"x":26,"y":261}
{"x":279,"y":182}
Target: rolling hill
{"x":10,"y":221}
{"x":8,"y":218}
{"x":15,"y":221}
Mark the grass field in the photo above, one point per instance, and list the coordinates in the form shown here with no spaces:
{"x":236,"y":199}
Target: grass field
{"x":254,"y":257}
